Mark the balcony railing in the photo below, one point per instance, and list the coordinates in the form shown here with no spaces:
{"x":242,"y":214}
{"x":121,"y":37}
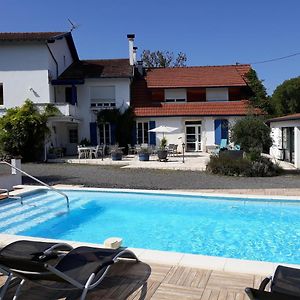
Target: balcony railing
{"x":66,"y":109}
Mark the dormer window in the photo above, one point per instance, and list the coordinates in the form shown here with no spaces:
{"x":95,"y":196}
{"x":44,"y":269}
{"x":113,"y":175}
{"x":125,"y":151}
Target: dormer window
{"x":217,"y":94}
{"x":175,"y":95}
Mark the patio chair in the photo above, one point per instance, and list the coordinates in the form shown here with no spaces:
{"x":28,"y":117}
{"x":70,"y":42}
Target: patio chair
{"x":81,"y":268}
{"x":28,"y":254}
{"x":172,"y":149}
{"x":81,"y":152}
{"x":96,"y":152}
{"x":285,"y":285}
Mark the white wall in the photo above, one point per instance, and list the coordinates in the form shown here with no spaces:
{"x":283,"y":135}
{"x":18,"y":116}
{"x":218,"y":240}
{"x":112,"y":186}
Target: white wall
{"x":60,"y":50}
{"x":207,"y":129}
{"x":276,"y":135}
{"x":122,"y":90}
{"x":24,"y":67}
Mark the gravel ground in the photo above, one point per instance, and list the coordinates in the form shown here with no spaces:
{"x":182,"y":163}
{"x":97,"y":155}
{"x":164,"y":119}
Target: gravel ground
{"x":114,"y":177}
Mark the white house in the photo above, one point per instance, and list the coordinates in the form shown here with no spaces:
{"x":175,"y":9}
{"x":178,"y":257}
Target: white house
{"x":200,"y":101}
{"x":45,"y":68}
{"x":285,"y":132}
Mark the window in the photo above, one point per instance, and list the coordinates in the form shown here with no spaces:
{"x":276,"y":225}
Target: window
{"x":102,"y":96}
{"x":142,"y":132}
{"x":73,"y":136}
{"x":175,"y":95}
{"x":68,"y":94}
{"x":1,"y":94}
{"x":217,"y":94}
{"x":104,"y":133}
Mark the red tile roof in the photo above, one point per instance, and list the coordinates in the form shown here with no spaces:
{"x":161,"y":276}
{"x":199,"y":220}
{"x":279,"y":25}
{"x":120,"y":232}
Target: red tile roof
{"x":286,"y":118}
{"x":30,"y":36}
{"x":229,"y":108}
{"x":101,"y":68}
{"x":204,"y":76}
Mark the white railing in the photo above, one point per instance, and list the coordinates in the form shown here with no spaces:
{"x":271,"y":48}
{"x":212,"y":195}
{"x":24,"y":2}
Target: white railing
{"x":66,"y":109}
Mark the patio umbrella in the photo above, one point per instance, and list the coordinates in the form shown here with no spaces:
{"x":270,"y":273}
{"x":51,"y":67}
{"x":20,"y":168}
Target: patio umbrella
{"x":163,"y":129}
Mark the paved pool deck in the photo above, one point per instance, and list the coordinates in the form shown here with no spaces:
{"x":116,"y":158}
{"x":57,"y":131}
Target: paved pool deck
{"x":196,"y":161}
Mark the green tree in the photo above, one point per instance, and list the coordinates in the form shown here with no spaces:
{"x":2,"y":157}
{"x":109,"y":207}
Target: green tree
{"x":163,"y":59}
{"x":252,"y":134}
{"x":259,"y":97}
{"x":23,"y":130}
{"x":122,"y":120}
{"x":286,"y":97}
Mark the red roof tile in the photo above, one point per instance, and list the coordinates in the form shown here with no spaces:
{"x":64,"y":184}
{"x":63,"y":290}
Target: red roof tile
{"x":205,"y":76}
{"x":29,"y":36}
{"x":229,"y":108}
{"x":286,"y":118}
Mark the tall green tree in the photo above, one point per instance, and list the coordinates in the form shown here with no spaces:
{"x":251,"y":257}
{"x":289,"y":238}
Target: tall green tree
{"x":163,"y":59}
{"x":23,"y":130}
{"x":259,"y":97}
{"x":286,"y":97}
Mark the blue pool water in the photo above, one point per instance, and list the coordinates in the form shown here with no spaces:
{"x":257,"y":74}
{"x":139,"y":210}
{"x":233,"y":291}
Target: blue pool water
{"x":227,"y":227}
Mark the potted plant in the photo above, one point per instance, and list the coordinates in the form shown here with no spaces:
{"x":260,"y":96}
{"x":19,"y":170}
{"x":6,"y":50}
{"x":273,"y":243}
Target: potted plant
{"x":116,"y":153}
{"x":51,"y":153}
{"x":144,"y":154}
{"x":162,"y":152}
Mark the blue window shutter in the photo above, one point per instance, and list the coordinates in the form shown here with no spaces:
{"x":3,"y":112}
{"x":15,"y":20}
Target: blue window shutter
{"x":152,"y":134}
{"x":93,"y":133}
{"x":224,"y":129}
{"x":133,"y":134}
{"x":218,"y":132}
{"x":112,"y":133}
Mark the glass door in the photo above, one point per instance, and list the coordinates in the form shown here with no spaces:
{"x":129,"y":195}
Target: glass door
{"x":193,"y":136}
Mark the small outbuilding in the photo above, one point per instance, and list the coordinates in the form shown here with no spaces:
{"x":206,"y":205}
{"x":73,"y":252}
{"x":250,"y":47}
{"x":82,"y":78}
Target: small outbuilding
{"x":285,"y":132}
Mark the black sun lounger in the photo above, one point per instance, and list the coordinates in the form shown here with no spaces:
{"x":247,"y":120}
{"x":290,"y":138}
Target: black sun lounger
{"x":285,"y":285}
{"x":81,"y":268}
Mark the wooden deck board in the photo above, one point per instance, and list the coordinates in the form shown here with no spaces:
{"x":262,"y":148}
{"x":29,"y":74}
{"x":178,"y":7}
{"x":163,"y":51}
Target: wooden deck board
{"x":136,"y":281}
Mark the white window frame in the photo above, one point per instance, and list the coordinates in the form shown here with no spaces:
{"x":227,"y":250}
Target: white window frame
{"x":105,"y":138}
{"x":217,"y":94}
{"x":103,"y":103}
{"x":144,"y":139}
{"x":175,"y":95}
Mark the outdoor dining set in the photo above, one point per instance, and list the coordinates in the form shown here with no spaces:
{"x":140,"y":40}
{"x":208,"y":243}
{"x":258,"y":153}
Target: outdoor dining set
{"x":99,"y":151}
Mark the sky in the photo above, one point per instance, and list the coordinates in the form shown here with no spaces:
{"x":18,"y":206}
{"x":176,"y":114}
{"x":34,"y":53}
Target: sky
{"x":210,"y":32}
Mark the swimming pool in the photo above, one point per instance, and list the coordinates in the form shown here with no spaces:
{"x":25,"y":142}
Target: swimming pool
{"x":217,"y":226}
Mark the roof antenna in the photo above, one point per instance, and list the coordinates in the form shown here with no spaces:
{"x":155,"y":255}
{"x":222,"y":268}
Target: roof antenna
{"x":73,"y":25}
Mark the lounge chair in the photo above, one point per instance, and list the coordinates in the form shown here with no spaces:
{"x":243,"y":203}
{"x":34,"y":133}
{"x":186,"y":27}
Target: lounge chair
{"x":285,"y":285}
{"x":81,"y":268}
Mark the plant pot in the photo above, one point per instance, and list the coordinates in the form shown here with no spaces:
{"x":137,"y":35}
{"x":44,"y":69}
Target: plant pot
{"x":162,"y":154}
{"x":51,"y":156}
{"x":144,"y":156}
{"x":116,"y":156}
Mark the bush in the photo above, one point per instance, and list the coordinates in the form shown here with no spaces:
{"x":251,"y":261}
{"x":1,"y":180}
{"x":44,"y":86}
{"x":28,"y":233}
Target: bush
{"x":262,"y":167}
{"x":251,"y":133}
{"x":23,"y":131}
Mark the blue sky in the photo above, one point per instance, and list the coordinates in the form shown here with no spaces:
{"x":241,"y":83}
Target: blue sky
{"x":210,"y":32}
